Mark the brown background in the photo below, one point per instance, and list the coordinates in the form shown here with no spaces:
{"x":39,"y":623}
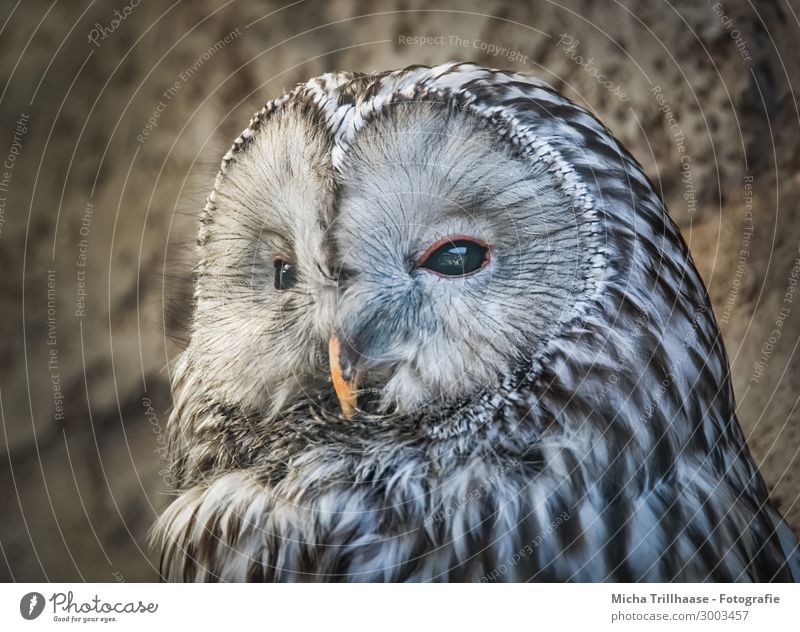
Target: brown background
{"x":78,"y":495}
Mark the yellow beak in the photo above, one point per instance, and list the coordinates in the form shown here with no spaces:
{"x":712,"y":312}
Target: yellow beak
{"x":345,"y":391}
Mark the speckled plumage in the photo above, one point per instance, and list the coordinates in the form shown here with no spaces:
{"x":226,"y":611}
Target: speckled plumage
{"x":589,"y":434}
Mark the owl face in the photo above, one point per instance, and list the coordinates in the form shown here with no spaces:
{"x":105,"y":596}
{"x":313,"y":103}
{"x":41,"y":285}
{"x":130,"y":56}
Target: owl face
{"x":434,"y":260}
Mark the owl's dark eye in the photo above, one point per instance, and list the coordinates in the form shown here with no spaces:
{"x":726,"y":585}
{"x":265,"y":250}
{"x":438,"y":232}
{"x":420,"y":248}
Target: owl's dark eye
{"x":455,"y":256}
{"x":285,"y":274}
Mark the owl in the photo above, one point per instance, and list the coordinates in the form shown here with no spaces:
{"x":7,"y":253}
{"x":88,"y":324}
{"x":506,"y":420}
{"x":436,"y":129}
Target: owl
{"x":444,"y":329}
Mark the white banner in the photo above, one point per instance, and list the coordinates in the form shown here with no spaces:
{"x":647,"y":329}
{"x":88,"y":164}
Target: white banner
{"x":407,"y":607}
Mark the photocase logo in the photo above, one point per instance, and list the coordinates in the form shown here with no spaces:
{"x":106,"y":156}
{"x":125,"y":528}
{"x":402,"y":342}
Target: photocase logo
{"x":31,"y":605}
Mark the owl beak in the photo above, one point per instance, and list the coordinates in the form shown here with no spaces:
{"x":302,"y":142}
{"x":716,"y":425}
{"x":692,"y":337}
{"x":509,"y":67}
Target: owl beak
{"x":343,"y":376}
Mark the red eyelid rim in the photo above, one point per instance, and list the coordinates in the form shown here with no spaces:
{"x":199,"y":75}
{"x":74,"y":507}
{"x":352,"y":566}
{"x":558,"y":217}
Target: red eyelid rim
{"x":448,"y":240}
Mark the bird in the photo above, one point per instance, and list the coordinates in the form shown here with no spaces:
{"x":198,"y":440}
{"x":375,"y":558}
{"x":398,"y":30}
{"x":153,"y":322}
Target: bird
{"x":444,"y":329}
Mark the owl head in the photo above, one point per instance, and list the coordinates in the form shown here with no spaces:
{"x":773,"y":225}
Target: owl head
{"x":407,"y":251}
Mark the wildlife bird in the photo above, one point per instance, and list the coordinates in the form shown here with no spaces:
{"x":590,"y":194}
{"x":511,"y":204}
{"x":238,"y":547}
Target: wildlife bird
{"x":443,"y":329}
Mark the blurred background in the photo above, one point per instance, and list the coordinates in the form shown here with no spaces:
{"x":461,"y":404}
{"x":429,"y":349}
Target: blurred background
{"x":114,"y":118}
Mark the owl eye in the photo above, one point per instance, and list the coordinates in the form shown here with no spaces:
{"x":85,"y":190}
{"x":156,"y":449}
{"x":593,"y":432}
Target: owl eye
{"x":285,"y":274}
{"x":455,"y":256}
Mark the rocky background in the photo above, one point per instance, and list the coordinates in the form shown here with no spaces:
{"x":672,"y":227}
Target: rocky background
{"x":115,"y":115}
